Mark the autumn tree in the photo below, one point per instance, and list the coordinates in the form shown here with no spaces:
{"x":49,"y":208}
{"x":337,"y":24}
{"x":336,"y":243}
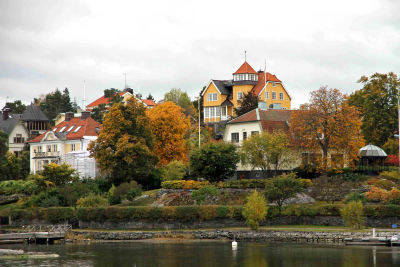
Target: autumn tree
{"x":248,"y":103}
{"x":214,"y":161}
{"x":255,"y":209}
{"x":124,"y":147}
{"x":181,"y":99}
{"x":327,"y":124}
{"x":169,"y":126}
{"x":377,"y":102}
{"x":267,"y":151}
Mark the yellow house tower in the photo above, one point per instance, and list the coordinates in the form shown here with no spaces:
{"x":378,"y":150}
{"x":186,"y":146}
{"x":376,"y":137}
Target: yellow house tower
{"x":221,"y":96}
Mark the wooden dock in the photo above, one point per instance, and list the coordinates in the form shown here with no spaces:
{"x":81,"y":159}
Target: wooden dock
{"x":36,"y":234}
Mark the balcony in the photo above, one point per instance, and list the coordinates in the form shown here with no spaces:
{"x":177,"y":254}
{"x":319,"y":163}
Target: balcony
{"x":53,"y":154}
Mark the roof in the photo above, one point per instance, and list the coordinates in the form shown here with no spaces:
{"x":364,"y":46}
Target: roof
{"x":227,"y":103}
{"x":261,"y":81}
{"x":34,"y":113}
{"x":372,"y":151}
{"x":224,"y":86}
{"x":148,"y":102}
{"x":245,"y":68}
{"x":8,"y":125}
{"x":270,"y":119}
{"x":103,"y":100}
{"x":88,"y":128}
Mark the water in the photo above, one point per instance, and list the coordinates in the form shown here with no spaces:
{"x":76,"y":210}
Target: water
{"x":207,"y":253}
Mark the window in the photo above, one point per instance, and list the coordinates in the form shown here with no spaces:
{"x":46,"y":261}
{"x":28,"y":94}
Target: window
{"x":239,"y":95}
{"x":55,"y":148}
{"x":212,"y":112}
{"x":206,"y":112}
{"x":39,"y":148}
{"x":235,"y":137}
{"x":223,"y":109}
{"x":55,"y":129}
{"x":48,"y":148}
{"x":19,"y":139}
{"x":254,"y":133}
{"x":212,"y":97}
{"x":273,"y":95}
{"x":72,"y":147}
{"x":280,"y":96}
{"x":218,"y":111}
{"x":266,"y":95}
{"x":77,"y":129}
{"x":244,"y":135}
{"x":273,"y":84}
{"x":62,"y":129}
{"x":70,"y":128}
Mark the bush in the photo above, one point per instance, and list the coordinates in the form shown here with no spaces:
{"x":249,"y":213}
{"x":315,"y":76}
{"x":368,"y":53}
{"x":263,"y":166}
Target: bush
{"x":72,"y":192}
{"x":384,"y":184}
{"x":127,"y":191}
{"x":391,"y":175}
{"x":245,"y":183}
{"x":103,"y":184}
{"x":205,"y":191}
{"x":307,"y":171}
{"x":50,"y":198}
{"x":353,"y":214}
{"x":354,"y":196}
{"x":57,"y":214}
{"x":92,"y":201}
{"x":255,"y":209}
{"x":375,"y":194}
{"x":11,"y":187}
{"x":58,"y":174}
{"x":175,"y":170}
{"x":183,"y":184}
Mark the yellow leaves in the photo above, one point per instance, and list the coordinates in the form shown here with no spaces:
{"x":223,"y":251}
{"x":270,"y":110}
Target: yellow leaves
{"x":169,"y":126}
{"x":255,"y":209}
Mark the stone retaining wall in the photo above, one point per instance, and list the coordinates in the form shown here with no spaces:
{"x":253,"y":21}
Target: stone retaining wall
{"x":264,"y":236}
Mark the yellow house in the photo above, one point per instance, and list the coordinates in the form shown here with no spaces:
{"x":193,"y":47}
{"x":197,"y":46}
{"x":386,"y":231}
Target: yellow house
{"x":221,"y":96}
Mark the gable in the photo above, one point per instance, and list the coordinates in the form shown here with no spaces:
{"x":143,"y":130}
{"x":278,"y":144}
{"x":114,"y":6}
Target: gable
{"x":50,"y":136}
{"x":269,"y":86}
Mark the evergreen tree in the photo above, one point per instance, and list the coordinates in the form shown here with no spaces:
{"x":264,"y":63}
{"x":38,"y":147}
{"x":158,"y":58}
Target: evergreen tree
{"x":16,"y":107}
{"x":150,"y":97}
{"x":248,"y":103}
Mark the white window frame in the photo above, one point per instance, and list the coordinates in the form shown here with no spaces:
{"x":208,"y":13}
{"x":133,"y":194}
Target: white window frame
{"x":273,"y":95}
{"x":280,"y":96}
{"x":212,"y":97}
{"x":55,"y":148}
{"x":241,"y":95}
{"x":70,"y":128}
{"x":62,"y":129}
{"x":73,"y":147}
{"x":273,"y":84}
{"x":266,"y":95}
{"x":77,"y":129}
{"x":235,"y":140}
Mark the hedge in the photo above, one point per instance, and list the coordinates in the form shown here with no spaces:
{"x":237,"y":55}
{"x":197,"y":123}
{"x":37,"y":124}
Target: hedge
{"x":184,"y":213}
{"x":11,"y":187}
{"x":183,"y":184}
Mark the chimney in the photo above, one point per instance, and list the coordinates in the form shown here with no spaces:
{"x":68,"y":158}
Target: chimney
{"x":85,"y":114}
{"x":6,"y":111}
{"x":69,"y":116}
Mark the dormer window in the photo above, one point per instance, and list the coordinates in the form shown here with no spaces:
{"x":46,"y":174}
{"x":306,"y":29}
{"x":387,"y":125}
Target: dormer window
{"x":62,"y":129}
{"x":77,"y":129}
{"x":245,"y":77}
{"x":70,"y":128}
{"x":55,"y":129}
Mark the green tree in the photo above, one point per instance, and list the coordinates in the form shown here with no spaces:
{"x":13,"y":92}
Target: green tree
{"x":58,"y":175}
{"x":16,"y":107}
{"x":255,"y":209}
{"x":3,"y":152}
{"x":353,"y":214}
{"x":281,"y":188}
{"x":55,"y":102}
{"x":175,"y":170}
{"x":123,"y":149}
{"x":98,"y":113}
{"x":377,"y":102}
{"x":113,"y":95}
{"x":15,"y":168}
{"x":215,"y":161}
{"x":267,"y":151}
{"x":150,"y":97}
{"x":181,"y":99}
{"x":248,"y":103}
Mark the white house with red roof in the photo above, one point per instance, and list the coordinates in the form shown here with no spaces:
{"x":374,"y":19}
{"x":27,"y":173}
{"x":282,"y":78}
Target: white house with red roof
{"x":68,"y":143}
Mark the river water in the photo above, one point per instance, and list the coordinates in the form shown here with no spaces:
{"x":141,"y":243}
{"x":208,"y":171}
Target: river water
{"x":207,"y":253}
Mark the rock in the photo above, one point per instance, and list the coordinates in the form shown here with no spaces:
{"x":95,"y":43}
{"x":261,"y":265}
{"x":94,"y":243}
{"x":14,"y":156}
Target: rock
{"x":301,"y":198}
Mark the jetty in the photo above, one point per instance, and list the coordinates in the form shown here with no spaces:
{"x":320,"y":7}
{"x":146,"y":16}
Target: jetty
{"x":36,"y":234}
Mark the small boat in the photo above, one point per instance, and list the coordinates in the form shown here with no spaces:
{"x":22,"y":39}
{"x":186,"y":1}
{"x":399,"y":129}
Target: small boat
{"x":234,"y":243}
{"x":395,"y":240}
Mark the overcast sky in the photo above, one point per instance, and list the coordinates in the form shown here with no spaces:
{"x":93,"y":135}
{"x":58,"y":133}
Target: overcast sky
{"x":51,"y":44}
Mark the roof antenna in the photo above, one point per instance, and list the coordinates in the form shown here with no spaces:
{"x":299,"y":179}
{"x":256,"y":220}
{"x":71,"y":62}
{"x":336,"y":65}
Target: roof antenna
{"x":265,"y":71}
{"x":245,"y":55}
{"x":84,"y":95}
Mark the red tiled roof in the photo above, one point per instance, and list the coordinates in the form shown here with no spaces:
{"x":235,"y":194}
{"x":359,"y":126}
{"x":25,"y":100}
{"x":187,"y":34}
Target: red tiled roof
{"x":266,"y":116}
{"x":148,"y":102}
{"x":270,"y":126}
{"x":261,"y":81}
{"x":245,"y":68}
{"x":102,"y":100}
{"x":88,"y":128}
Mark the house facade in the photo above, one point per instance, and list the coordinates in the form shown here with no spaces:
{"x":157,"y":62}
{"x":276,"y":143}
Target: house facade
{"x":67,"y":143}
{"x":220,"y":97}
{"x":14,"y":127}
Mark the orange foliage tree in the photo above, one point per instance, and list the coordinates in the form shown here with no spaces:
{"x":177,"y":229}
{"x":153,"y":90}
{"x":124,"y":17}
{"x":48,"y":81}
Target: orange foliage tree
{"x":169,"y":126}
{"x":327,"y":124}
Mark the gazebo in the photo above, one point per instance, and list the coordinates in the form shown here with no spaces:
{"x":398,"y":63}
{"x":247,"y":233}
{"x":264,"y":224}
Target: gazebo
{"x":372,"y":156}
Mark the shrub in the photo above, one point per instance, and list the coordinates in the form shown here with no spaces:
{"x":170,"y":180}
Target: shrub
{"x":375,"y":194}
{"x":58,"y":174}
{"x":384,"y":184}
{"x":207,"y":212}
{"x":245,"y":183}
{"x":103,"y":184}
{"x":354,"y":196}
{"x":175,"y":170}
{"x":72,"y":192}
{"x":392,"y":197}
{"x":57,"y":214}
{"x":127,"y":191}
{"x":50,"y":198}
{"x":205,"y":191}
{"x":391,"y":175}
{"x":183,"y":184}
{"x":392,"y":160}
{"x":91,"y":201}
{"x":353,"y":214}
{"x":307,"y":171}
{"x":11,"y":187}
{"x":255,"y":210}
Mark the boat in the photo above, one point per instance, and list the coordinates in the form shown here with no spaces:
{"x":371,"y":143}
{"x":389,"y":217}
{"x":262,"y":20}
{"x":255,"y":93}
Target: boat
{"x":395,"y":240}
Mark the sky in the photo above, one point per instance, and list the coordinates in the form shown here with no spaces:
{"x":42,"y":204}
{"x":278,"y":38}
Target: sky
{"x":161,"y":45}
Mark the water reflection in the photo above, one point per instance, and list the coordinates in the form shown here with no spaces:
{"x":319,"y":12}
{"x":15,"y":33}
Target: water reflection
{"x":206,"y":253}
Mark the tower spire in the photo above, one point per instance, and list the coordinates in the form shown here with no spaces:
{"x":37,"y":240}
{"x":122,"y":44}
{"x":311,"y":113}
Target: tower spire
{"x":245,"y":55}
